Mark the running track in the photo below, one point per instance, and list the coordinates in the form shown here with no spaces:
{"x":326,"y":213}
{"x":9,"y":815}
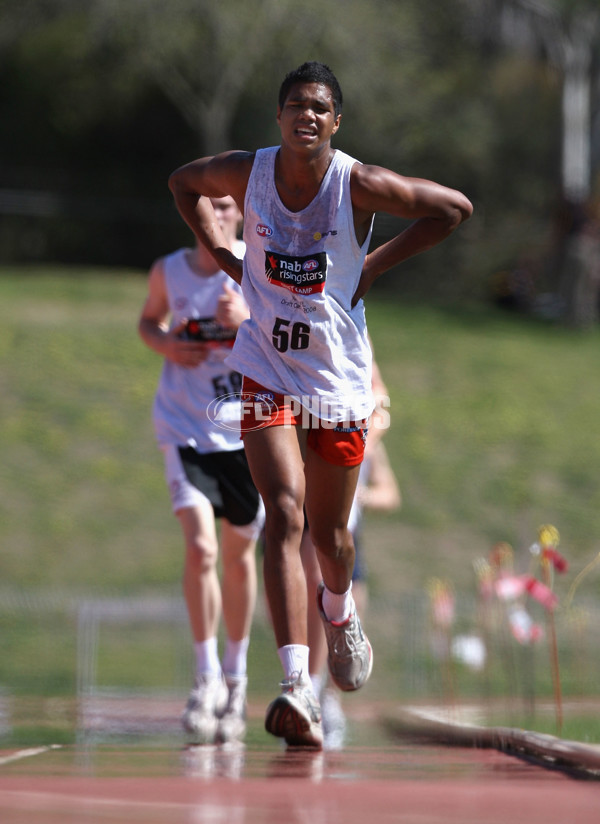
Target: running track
{"x":410,"y":783}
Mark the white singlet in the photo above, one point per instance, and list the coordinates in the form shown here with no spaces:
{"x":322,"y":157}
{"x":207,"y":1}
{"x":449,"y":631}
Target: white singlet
{"x":184,"y":394}
{"x":301,"y":270}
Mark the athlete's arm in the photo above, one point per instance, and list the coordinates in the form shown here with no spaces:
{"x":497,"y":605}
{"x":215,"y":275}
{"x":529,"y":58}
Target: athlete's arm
{"x":436,"y":211}
{"x":381,"y":491}
{"x":154,"y":329}
{"x":193,"y":184}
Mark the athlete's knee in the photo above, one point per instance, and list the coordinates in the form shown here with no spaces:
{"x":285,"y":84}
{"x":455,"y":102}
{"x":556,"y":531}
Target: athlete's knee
{"x":201,"y":554}
{"x":284,"y":515}
{"x":239,"y":562}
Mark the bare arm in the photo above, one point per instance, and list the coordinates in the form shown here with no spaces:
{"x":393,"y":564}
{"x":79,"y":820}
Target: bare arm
{"x":154,"y":329}
{"x":381,"y":492}
{"x":193,"y":184}
{"x":435,"y":210}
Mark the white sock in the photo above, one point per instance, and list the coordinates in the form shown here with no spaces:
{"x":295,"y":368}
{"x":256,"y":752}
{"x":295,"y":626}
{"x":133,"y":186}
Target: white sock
{"x":236,"y":656}
{"x":294,"y":660}
{"x":207,"y":658}
{"x":338,"y":607}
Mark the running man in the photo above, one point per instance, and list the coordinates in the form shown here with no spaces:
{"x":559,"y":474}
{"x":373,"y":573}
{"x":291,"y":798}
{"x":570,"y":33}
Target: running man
{"x":305,"y":355}
{"x":206,"y":469}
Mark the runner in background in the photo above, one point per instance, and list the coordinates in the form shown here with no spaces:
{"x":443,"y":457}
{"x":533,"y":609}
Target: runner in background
{"x":206,"y":469}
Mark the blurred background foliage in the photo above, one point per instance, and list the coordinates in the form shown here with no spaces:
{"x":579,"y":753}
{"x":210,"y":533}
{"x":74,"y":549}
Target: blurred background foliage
{"x":101,"y":99}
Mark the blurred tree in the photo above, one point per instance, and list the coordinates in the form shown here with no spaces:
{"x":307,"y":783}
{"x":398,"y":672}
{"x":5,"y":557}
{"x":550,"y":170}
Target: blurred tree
{"x":566,"y":34}
{"x":102,"y":98}
{"x":217,"y":61}
{"x":201,"y":54}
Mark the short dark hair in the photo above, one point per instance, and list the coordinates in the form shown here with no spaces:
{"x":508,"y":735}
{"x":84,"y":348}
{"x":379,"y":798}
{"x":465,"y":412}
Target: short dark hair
{"x":312,"y":72}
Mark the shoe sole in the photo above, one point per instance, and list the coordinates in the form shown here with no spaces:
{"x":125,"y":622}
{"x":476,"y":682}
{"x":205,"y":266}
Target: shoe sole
{"x":283,"y":720}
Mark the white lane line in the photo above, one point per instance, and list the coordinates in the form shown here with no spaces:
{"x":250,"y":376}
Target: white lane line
{"x":16,"y":756}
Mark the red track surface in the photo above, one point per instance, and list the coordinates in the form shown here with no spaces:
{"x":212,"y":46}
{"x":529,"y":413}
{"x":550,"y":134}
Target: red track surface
{"x":361,"y":785}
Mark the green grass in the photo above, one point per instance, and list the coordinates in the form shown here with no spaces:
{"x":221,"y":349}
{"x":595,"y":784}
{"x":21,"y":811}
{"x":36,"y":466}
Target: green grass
{"x":495,"y":429}
{"x":495,"y":422}
{"x":83,"y":498}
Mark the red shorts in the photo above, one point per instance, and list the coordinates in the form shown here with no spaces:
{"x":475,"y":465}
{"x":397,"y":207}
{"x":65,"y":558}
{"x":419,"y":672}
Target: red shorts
{"x":340,"y":444}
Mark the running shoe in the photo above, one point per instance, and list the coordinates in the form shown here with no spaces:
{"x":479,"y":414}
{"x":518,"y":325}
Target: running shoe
{"x":232,"y":725}
{"x":350,"y":658}
{"x":295,"y":715}
{"x":204,"y":708}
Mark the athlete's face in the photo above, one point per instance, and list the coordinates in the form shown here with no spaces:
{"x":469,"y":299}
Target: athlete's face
{"x":228,"y":215}
{"x":308,"y":117}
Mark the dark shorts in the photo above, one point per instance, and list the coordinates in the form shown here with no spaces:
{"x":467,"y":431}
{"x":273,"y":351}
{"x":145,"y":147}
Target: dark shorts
{"x":224,"y":477}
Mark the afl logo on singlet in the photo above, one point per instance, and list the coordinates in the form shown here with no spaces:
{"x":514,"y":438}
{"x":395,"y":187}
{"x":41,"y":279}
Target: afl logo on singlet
{"x":310,"y":265}
{"x":263,"y":230}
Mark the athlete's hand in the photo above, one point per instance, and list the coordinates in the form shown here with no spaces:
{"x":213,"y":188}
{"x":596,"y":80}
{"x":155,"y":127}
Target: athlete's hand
{"x":231,"y":308}
{"x":187,"y":353}
{"x":364,"y":284}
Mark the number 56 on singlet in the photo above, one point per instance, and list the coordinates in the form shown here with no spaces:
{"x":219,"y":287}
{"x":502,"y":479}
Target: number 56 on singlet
{"x":287,"y":335}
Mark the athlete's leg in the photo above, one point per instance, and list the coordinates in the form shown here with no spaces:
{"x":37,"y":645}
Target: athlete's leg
{"x":238,"y":589}
{"x":238,"y":586}
{"x":329,"y":494}
{"x":201,"y":587}
{"x":208,"y":699}
{"x":316,"y":637}
{"x":330,"y":490}
{"x":276,"y":458}
{"x":202,"y":593}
